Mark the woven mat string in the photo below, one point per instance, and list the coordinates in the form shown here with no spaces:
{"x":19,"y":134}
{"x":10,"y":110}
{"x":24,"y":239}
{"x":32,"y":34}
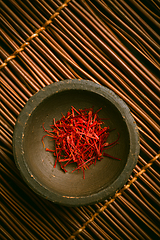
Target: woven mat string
{"x":35,"y":34}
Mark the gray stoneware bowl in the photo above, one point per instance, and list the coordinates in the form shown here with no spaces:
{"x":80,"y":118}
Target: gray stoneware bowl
{"x":36,"y":165}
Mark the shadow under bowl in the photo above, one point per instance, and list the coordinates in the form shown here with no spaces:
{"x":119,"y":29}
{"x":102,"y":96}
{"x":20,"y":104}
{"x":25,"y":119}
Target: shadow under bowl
{"x":36,"y":164}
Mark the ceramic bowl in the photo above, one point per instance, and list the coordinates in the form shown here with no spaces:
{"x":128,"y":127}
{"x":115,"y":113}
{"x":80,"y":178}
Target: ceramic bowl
{"x":37,"y":165}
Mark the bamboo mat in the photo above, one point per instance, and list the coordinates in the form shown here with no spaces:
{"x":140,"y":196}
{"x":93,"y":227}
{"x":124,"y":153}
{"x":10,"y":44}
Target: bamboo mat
{"x":113,"y":43}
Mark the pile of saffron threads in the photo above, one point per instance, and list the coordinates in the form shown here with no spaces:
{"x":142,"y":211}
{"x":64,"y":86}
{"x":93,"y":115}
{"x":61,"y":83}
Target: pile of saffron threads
{"x":79,"y":138}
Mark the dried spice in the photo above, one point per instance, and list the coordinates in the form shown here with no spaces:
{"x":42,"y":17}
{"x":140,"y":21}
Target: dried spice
{"x":79,"y":138}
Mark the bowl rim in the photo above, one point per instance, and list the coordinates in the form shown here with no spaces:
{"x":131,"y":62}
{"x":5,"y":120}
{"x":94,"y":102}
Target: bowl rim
{"x":29,"y":108}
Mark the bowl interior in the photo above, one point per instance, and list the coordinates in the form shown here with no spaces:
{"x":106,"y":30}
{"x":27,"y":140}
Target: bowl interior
{"x":40,"y":163}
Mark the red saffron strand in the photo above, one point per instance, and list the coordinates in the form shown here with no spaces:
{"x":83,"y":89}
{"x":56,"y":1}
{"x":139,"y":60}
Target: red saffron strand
{"x":79,"y":138}
{"x":107,"y":155}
